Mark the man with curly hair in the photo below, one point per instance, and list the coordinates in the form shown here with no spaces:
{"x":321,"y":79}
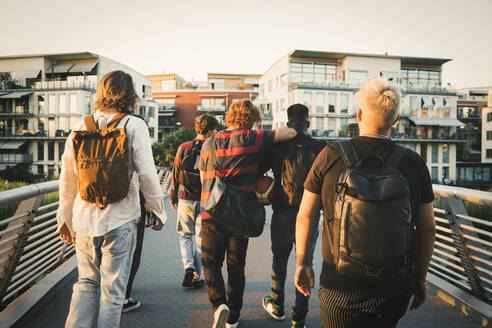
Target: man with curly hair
{"x":239,"y":150}
{"x":185,"y":198}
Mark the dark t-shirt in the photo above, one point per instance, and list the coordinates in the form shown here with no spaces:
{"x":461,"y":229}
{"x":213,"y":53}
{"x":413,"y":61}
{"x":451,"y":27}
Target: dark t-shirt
{"x":274,"y":159}
{"x":324,"y":175}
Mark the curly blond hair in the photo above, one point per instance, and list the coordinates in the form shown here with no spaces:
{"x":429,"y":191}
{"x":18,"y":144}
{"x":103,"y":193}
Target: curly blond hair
{"x":116,"y":92}
{"x":205,"y":123}
{"x":242,"y":114}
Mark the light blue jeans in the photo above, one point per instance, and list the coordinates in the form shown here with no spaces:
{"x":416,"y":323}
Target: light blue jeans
{"x":189,"y":228}
{"x":104,"y":267}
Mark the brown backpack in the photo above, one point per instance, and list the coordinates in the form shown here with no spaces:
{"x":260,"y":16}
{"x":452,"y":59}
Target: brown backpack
{"x":101,"y":158}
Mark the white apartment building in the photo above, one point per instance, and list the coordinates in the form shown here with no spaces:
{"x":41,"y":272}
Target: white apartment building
{"x":487,"y":131}
{"x":328,"y":82}
{"x":42,"y":97}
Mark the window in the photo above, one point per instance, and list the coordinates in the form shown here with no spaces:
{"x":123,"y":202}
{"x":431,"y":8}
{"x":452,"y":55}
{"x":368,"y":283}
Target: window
{"x":88,"y":104}
{"x":51,"y":151}
{"x":51,"y":127}
{"x":62,"y":104}
{"x":61,"y":149}
{"x":434,"y":173}
{"x":332,"y":98}
{"x":489,"y":117}
{"x":213,"y":103}
{"x":486,"y":174}
{"x":445,"y":173}
{"x":217,"y":84}
{"x":412,"y":78}
{"x":63,"y":124}
{"x":344,"y":103}
{"x":489,"y":153}
{"x":414,"y":105}
{"x":151,"y":112}
{"x":308,"y":98}
{"x":357,"y":77}
{"x":489,"y":135}
{"x":332,"y":123}
{"x":40,"y":151}
{"x":312,"y":73}
{"x":41,"y":105}
{"x":320,"y":124}
{"x":52,"y":104}
{"x":435,"y":153}
{"x":445,"y":153}
{"x":343,"y":124}
{"x":151,"y":132}
{"x":40,"y":169}
{"x":73,"y":103}
{"x":320,"y":102}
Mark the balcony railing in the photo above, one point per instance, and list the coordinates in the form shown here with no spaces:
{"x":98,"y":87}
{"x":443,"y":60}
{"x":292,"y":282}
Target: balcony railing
{"x":16,"y":158}
{"x":351,"y":86}
{"x":413,"y":133}
{"x":32,"y":134}
{"x":211,"y":109}
{"x":166,"y":108}
{"x":19,"y":111}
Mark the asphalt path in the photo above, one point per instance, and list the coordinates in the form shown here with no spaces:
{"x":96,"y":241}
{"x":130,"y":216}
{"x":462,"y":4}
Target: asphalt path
{"x":166,"y":304}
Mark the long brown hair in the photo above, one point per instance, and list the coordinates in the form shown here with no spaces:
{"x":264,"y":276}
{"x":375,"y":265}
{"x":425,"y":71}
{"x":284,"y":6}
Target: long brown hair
{"x":116,"y":92}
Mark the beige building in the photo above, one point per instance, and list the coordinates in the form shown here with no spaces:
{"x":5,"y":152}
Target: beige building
{"x":487,"y":131}
{"x":327,"y":82}
{"x":43,"y":97}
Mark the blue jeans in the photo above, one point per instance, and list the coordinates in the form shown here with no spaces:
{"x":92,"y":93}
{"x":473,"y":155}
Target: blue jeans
{"x":104,"y":267}
{"x":189,"y":228}
{"x":283,"y":234}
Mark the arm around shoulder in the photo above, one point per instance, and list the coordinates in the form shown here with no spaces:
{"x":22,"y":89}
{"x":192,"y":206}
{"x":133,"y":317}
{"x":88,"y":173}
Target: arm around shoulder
{"x":284,"y":134}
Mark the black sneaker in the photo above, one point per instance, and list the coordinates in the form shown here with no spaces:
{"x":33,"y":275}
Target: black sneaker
{"x":276,"y":311}
{"x":198,"y":283}
{"x":297,"y":324}
{"x":130,"y":305}
{"x":188,"y":278}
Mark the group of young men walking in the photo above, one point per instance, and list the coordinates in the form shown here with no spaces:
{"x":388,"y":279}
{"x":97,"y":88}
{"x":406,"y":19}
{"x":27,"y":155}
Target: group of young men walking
{"x":376,"y":197}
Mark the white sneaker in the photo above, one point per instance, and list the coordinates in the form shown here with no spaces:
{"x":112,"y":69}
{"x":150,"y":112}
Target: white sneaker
{"x":220,"y":316}
{"x":232,"y":325}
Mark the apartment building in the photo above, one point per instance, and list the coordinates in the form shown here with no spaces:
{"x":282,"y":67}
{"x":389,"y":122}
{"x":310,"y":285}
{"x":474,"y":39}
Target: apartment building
{"x":487,"y":130}
{"x":43,"y":97}
{"x":471,"y":172}
{"x":328,"y":82}
{"x":180,"y":102}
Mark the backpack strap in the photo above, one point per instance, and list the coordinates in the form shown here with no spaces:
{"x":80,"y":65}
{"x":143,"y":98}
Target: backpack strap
{"x":116,"y":120}
{"x":348,"y":152}
{"x":90,"y":124}
{"x":395,"y":157}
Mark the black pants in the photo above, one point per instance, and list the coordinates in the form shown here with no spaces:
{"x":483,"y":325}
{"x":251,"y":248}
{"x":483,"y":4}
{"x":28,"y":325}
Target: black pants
{"x":216,"y":242}
{"x":362,"y":309}
{"x":138,"y":249}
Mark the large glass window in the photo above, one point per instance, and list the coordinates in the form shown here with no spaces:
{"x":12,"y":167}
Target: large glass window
{"x":308,"y":98}
{"x":52,"y":104}
{"x":434,"y":173}
{"x":412,"y":78}
{"x":51,"y":151}
{"x":61,"y":149}
{"x":320,"y":123}
{"x":320,"y":102}
{"x":486,"y":174}
{"x":41,"y":105}
{"x":213,"y":102}
{"x":40,"y":151}
{"x":357,"y":77}
{"x":489,"y":117}
{"x":73,"y":103}
{"x":317,"y":73}
{"x":62,"y":104}
{"x":344,"y":103}
{"x":445,"y":173}
{"x":445,"y":153}
{"x":414,"y":105}
{"x":435,"y":153}
{"x":332,"y":123}
{"x":332,"y":99}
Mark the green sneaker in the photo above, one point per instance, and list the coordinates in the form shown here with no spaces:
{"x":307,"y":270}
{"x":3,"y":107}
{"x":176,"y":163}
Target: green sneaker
{"x":274,"y":310}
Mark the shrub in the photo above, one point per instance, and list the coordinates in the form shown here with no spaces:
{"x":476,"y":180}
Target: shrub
{"x":165,"y":150}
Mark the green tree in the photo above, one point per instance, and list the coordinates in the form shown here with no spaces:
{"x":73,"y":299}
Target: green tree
{"x":165,"y":150}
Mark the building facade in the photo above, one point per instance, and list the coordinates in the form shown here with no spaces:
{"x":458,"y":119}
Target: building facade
{"x":181,"y":102}
{"x":328,"y":82}
{"x":43,"y":97}
{"x":487,"y":130}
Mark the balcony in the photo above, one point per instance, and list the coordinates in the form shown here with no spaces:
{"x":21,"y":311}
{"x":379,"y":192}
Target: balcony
{"x":416,"y":134}
{"x":167,"y":124}
{"x":64,"y":85}
{"x":33,"y":134}
{"x":20,"y":111}
{"x":211,"y":109}
{"x":16,"y":159}
{"x":167,"y":108}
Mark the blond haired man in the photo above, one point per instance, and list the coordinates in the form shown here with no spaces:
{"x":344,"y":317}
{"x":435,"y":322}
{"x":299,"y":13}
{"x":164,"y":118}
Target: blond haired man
{"x":355,"y":293}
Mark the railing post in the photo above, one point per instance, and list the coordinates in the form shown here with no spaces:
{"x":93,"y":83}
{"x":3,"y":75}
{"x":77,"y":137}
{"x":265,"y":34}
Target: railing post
{"x":453,"y":206}
{"x":29,"y":207}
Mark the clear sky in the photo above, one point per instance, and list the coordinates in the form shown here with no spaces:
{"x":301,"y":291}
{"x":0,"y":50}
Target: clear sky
{"x":192,"y":37}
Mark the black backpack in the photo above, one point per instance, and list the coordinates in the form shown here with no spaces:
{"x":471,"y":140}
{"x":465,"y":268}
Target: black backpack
{"x":189,"y":175}
{"x":373,"y":231}
{"x":295,"y":168}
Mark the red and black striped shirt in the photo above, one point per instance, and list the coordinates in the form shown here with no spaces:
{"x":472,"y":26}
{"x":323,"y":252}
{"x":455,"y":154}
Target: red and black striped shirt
{"x":238,"y":151}
{"x":177,"y":190}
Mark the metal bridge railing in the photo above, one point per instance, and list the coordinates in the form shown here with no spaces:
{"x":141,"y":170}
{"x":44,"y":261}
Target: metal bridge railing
{"x":29,"y":244}
{"x":463,"y":248}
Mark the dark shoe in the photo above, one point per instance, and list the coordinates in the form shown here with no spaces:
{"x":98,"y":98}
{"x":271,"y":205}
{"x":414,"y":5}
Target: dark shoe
{"x":198,"y":283}
{"x":276,"y":311}
{"x":130,"y":305}
{"x":188,"y":278}
{"x":298,"y":324}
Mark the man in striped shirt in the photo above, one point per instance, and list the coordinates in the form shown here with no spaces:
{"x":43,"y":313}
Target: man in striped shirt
{"x":185,"y":198}
{"x":239,"y":150}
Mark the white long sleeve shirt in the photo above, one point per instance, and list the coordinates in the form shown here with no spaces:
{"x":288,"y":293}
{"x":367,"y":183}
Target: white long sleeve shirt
{"x":85,"y":217}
